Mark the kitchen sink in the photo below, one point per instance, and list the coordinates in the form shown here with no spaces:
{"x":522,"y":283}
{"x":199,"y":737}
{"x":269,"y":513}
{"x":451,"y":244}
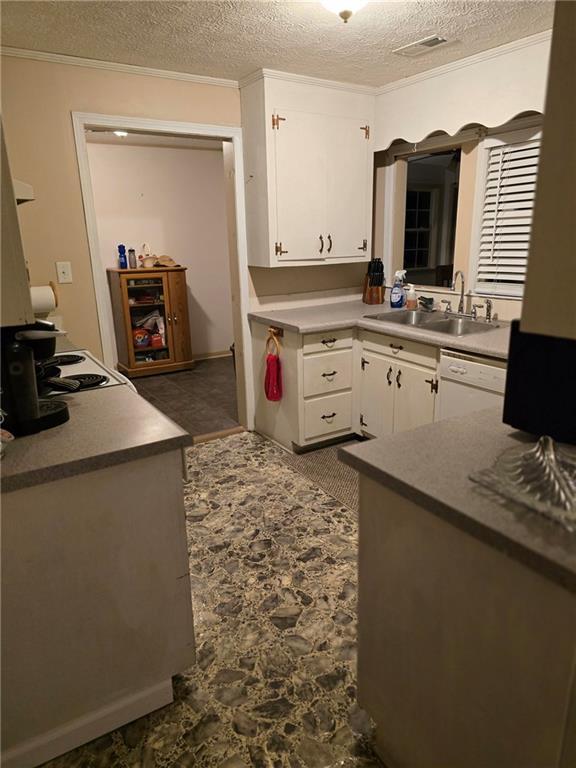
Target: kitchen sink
{"x":405,"y":317}
{"x":460,"y":326}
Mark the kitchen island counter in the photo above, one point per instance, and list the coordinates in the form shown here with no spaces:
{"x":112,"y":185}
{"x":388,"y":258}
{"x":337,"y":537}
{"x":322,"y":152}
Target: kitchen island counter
{"x":467,"y":605}
{"x":431,"y":466}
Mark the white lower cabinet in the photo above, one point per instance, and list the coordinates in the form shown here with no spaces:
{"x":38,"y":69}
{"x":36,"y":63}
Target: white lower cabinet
{"x":395,"y":395}
{"x":336,"y":383}
{"x":376,"y":395}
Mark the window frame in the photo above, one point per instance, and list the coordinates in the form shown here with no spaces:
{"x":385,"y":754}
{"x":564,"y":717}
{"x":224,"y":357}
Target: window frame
{"x":503,"y":138}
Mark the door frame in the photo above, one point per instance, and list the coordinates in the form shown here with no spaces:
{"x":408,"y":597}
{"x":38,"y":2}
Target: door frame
{"x":239,"y":277}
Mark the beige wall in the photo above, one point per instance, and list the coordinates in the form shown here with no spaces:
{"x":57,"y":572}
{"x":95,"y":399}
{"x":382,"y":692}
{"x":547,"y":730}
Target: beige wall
{"x":37,"y":101}
{"x":174,"y":200}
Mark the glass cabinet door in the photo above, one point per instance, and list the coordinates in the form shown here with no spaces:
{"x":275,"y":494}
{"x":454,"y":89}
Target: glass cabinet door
{"x":148,"y":310}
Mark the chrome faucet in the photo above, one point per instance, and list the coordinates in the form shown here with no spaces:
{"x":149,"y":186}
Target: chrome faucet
{"x":488,"y":310}
{"x":453,"y":286}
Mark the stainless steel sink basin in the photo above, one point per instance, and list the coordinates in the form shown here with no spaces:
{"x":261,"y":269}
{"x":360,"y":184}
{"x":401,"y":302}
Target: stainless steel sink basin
{"x":460,"y":326}
{"x":405,"y":317}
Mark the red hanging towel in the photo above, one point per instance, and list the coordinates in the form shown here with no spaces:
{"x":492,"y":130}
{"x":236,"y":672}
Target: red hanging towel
{"x":273,"y":379}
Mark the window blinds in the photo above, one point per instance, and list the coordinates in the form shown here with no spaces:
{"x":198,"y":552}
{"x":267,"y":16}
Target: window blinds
{"x":507,"y":217}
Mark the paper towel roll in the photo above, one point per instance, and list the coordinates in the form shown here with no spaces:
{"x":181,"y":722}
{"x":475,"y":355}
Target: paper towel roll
{"x":44,"y":299}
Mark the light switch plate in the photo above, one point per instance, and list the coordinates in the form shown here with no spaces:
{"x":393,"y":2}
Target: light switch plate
{"x":64,"y":271}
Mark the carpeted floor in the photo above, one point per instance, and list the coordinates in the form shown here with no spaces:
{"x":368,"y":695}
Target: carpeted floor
{"x":273,"y":575}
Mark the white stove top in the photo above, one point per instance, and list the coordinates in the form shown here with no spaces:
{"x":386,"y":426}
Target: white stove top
{"x":88,"y":365}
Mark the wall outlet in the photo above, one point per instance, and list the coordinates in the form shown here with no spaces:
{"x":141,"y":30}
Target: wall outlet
{"x":64,"y":271}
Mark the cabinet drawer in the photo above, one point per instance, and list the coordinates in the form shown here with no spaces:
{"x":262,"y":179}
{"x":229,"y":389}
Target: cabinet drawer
{"x":327,"y":373}
{"x":327,"y":415}
{"x":327,"y":341}
{"x":400,"y":349}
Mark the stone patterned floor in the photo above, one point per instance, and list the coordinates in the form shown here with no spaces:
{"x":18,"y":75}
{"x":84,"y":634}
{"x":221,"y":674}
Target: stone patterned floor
{"x":273,"y":569}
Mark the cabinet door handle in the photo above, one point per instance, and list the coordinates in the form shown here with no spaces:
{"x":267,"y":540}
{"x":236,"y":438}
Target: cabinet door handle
{"x":398,"y":378}
{"x":328,"y":342}
{"x":396,"y":347}
{"x":329,"y":375}
{"x":329,"y":243}
{"x":362,"y":422}
{"x":328,"y":416}
{"x":169,"y":318}
{"x":321,"y":243}
{"x":175,"y":318}
{"x":389,"y":376}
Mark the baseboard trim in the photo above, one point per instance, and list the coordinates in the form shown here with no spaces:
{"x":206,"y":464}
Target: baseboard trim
{"x":211,"y":355}
{"x":196,"y":439}
{"x":56,"y":742}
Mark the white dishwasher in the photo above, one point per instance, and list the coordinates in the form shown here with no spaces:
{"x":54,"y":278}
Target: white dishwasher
{"x":468,"y":383}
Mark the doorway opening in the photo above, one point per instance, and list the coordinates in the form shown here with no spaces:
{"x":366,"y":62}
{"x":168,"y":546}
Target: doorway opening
{"x":172,"y":325}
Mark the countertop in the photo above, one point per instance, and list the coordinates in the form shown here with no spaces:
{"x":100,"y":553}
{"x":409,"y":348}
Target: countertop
{"x":107,"y":426}
{"x":411,"y":464}
{"x":352,"y":314}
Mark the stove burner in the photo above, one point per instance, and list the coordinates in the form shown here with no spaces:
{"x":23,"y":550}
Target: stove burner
{"x":89,"y":380}
{"x":69,"y":359}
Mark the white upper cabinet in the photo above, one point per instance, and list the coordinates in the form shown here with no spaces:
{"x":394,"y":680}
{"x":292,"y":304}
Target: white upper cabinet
{"x":308,"y":171}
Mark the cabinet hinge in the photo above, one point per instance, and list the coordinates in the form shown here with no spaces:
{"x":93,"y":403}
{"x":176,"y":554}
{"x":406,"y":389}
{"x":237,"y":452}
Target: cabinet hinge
{"x":276,"y":121}
{"x":362,"y":422}
{"x":364,"y":246}
{"x":278,"y":249}
{"x":364,"y":363}
{"x":366,"y":129}
{"x":433,"y":384}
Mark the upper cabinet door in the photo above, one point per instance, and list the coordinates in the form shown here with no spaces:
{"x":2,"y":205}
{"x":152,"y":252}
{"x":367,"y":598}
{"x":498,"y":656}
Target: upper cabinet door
{"x":300,"y":185}
{"x":348,"y":188}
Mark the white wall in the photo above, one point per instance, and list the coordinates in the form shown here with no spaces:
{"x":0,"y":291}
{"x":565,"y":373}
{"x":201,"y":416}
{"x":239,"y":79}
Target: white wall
{"x":174,"y":200}
{"x":490,"y":89}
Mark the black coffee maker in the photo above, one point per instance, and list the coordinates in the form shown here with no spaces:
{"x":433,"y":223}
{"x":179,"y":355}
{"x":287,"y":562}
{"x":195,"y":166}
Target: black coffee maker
{"x":23,"y":348}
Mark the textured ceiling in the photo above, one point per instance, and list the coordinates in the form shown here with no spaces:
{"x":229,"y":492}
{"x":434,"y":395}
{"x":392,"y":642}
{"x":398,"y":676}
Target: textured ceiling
{"x":232,"y":39}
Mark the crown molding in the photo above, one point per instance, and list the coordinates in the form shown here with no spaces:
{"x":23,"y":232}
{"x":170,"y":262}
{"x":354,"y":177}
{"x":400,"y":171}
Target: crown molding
{"x":273,"y":74}
{"x":368,"y":90}
{"x":491,"y":53}
{"x":110,"y":66}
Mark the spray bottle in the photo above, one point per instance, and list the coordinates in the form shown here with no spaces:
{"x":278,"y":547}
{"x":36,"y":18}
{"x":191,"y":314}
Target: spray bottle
{"x":398,"y":293}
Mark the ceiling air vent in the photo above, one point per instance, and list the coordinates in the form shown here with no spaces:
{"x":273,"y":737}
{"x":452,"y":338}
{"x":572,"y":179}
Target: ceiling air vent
{"x":420,"y":46}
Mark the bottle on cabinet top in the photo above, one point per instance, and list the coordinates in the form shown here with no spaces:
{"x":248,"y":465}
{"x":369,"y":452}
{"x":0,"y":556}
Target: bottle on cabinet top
{"x":122,"y":261}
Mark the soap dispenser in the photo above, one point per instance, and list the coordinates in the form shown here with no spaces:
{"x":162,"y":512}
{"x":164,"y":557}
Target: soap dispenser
{"x":411,"y":297}
{"x":398,"y":293}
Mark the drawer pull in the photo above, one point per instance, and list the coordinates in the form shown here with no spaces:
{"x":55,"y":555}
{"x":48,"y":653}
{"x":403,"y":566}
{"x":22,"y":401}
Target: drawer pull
{"x":398,"y":379}
{"x":328,"y":416}
{"x":329,"y":342}
{"x":329,"y":375}
{"x":389,"y":376}
{"x":397,"y":347}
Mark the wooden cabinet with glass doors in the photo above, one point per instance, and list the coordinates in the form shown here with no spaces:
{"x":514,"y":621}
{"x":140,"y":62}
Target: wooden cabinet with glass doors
{"x":150,"y":310}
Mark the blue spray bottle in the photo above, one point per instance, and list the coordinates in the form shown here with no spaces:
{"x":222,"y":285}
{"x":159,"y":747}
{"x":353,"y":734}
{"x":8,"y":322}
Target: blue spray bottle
{"x":398,"y":292}
{"x":122,"y":261}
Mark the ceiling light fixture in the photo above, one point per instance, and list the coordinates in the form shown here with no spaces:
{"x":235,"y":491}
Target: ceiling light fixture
{"x":120,"y":133}
{"x":344,"y":8}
